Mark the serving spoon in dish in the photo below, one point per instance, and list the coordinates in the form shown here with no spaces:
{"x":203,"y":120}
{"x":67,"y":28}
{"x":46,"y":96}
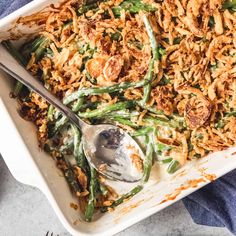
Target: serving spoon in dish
{"x":108,"y":148}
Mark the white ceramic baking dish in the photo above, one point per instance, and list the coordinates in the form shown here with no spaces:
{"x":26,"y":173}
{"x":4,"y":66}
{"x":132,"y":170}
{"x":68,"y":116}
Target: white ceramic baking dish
{"x":30,"y":165}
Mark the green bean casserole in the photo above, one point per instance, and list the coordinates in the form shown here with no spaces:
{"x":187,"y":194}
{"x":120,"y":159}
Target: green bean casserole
{"x":164,"y":71}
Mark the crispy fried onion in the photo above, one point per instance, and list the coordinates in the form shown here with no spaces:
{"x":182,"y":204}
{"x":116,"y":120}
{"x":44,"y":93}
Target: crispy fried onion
{"x":197,"y":111}
{"x":211,"y":139}
{"x":108,"y":68}
{"x":113,"y":68}
{"x":223,"y":89}
{"x":136,"y":43}
{"x":164,"y":95}
{"x":96,"y":65}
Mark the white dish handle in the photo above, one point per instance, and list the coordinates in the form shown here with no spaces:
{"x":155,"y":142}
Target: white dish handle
{"x":14,"y":151}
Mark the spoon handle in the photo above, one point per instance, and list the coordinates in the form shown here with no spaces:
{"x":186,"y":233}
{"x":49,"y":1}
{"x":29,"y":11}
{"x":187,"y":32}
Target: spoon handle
{"x":11,"y":66}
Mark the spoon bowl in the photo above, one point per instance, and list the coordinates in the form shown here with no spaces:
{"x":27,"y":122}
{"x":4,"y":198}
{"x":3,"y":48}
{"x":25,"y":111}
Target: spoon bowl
{"x":113,"y":152}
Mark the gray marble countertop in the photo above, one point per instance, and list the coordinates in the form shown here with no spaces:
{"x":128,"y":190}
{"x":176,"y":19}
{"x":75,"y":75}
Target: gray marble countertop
{"x":24,"y":211}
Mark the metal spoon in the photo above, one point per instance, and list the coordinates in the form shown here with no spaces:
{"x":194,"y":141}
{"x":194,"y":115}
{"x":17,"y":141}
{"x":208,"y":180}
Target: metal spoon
{"x":107,"y":147}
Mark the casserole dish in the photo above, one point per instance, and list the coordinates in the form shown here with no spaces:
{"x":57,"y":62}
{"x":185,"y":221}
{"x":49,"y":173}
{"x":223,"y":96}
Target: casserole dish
{"x":37,"y":169}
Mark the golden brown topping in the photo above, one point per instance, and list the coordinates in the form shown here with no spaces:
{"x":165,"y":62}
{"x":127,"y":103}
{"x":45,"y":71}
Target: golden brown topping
{"x":95,"y":66}
{"x":136,"y":43}
{"x":82,"y":178}
{"x":218,"y":22}
{"x":113,"y":68}
{"x":163,"y":96}
{"x":105,"y":44}
{"x":107,"y":203}
{"x":74,"y":206}
{"x":87,"y":30}
{"x":137,"y":161}
{"x":197,"y":111}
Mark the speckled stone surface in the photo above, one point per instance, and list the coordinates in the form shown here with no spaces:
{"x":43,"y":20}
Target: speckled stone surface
{"x":24,"y":211}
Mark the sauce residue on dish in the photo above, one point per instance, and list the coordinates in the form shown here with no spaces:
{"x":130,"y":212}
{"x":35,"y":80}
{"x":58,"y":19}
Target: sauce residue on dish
{"x":202,"y":162}
{"x":74,"y":206}
{"x":127,"y":209}
{"x":180,"y":174}
{"x":209,"y":177}
{"x":190,"y":184}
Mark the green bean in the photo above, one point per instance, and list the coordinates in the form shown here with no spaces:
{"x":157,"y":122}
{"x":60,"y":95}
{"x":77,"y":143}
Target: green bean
{"x":81,"y":159}
{"x":100,"y":90}
{"x":91,"y":79}
{"x":50,"y":113}
{"x":132,"y":6}
{"x":178,"y":121}
{"x":78,"y":149}
{"x":92,"y":195}
{"x":117,"y":36}
{"x":152,"y":37}
{"x":85,"y":106}
{"x":77,"y":105}
{"x":160,"y":147}
{"x":157,"y":145}
{"x":164,"y":81}
{"x":125,"y":114}
{"x":37,"y":46}
{"x":197,"y":155}
{"x":147,"y":87}
{"x":106,"y":109}
{"x":124,"y":121}
{"x":120,"y":200}
{"x":149,"y":108}
{"x":161,"y":122}
{"x":54,"y":128}
{"x":231,"y":5}
{"x":155,"y":56}
{"x":211,"y":22}
{"x":231,"y":113}
{"x":103,"y":189}
{"x":220,"y":124}
{"x":167,"y":160}
{"x":17,"y":89}
{"x":82,"y":163}
{"x":173,"y":167}
{"x":68,"y":145}
{"x":70,"y":177}
{"x":142,"y":131}
{"x":41,"y":49}
{"x":60,"y":123}
{"x":147,"y":165}
{"x":77,"y":139}
{"x":162,"y":51}
{"x":177,"y":40}
{"x":13,"y":51}
{"x":223,"y":121}
{"x":87,"y":6}
{"x":173,"y":121}
{"x":66,"y":168}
